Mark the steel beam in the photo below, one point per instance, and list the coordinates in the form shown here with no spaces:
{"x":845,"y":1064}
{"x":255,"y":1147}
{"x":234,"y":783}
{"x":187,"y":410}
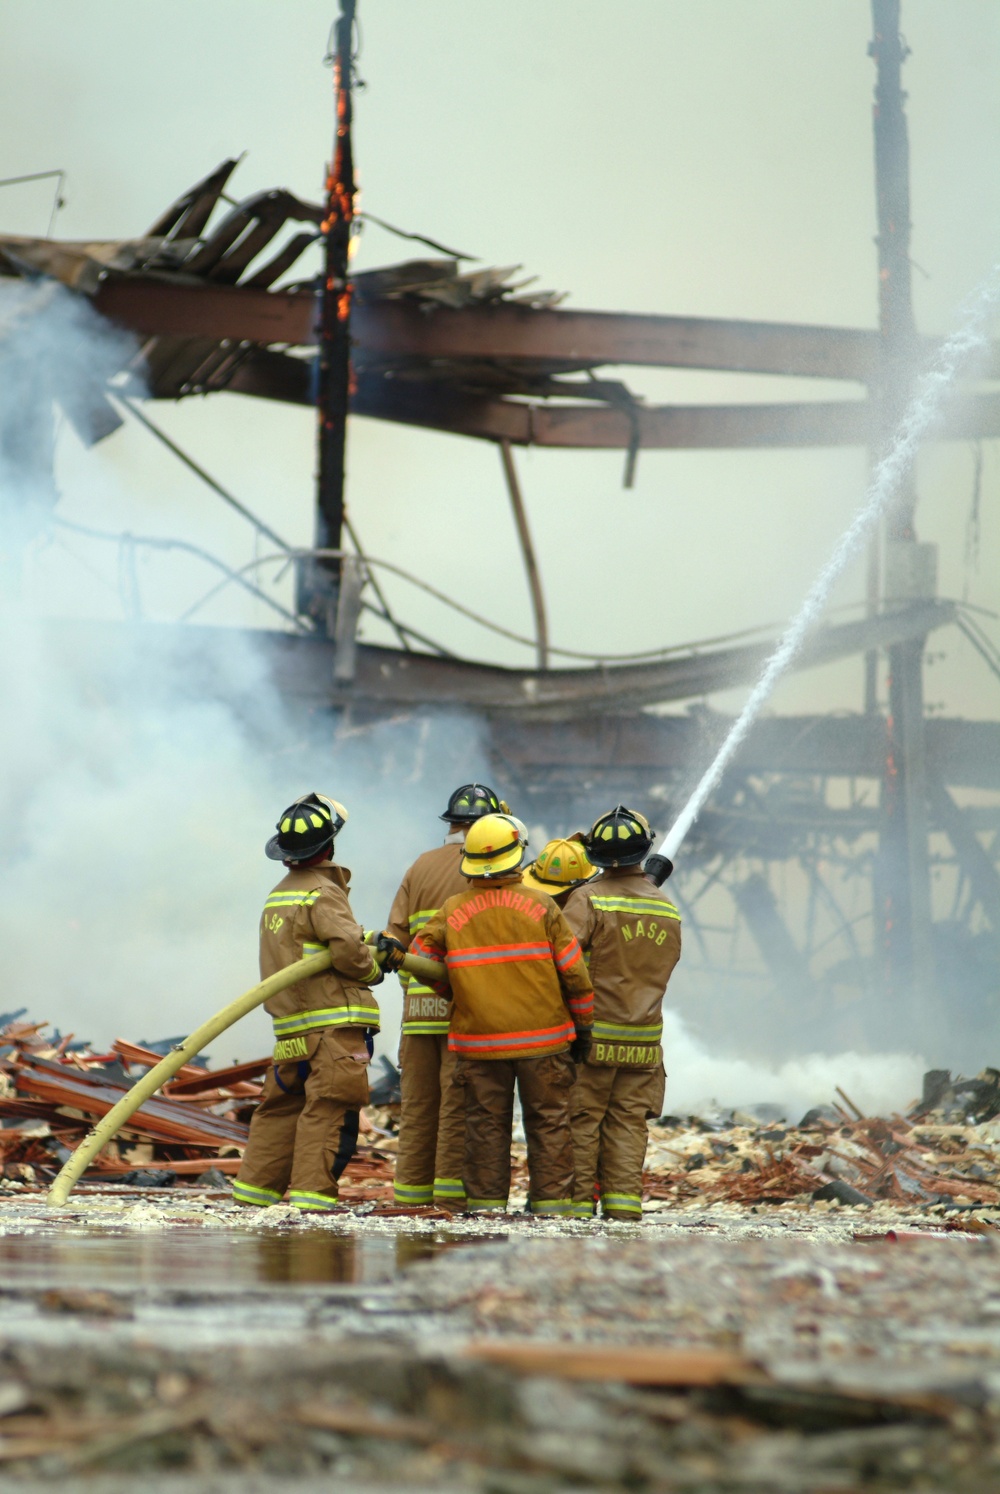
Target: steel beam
{"x":965,"y":754}
{"x":389,"y":678}
{"x":903,"y":904}
{"x":392,"y":332}
{"x":158,"y":308}
{"x":786,"y":962}
{"x":438,"y":406}
{"x":976,"y":863}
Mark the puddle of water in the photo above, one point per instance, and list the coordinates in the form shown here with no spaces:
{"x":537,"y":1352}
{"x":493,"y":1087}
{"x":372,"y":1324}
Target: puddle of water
{"x":205,"y":1262}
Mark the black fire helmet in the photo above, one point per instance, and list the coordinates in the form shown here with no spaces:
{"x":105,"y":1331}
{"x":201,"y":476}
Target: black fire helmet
{"x":306,"y":828}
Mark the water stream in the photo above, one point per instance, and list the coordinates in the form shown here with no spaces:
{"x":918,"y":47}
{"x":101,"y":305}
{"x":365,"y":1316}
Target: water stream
{"x":954,"y":358}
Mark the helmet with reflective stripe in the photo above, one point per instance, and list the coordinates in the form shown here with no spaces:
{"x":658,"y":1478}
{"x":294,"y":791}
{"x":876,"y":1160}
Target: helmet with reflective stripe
{"x":306,"y":828}
{"x":468,"y":803}
{"x":494,"y":847}
{"x":560,"y":865}
{"x":620,"y":838}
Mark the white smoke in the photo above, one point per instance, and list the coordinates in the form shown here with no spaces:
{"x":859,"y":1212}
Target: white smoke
{"x":878,"y":1083}
{"x":142,"y":768}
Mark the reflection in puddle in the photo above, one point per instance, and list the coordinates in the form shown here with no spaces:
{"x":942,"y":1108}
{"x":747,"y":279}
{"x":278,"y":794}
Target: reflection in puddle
{"x":199,"y":1261}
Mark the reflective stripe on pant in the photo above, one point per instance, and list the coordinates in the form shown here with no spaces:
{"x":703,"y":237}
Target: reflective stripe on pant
{"x":431,"y":1124}
{"x":610,"y":1110}
{"x":544,"y":1085}
{"x":305,"y":1129}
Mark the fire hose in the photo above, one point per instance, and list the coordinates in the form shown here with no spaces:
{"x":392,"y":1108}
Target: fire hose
{"x":145,"y":1088}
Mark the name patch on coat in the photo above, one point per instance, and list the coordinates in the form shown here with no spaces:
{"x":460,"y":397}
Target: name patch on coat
{"x":507,"y":898}
{"x":626,"y":1055}
{"x":425,"y":1008}
{"x":293,"y":1047}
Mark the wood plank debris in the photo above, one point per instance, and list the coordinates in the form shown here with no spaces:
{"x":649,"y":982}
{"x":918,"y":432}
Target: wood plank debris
{"x":52,"y":1090}
{"x":628,"y":1363}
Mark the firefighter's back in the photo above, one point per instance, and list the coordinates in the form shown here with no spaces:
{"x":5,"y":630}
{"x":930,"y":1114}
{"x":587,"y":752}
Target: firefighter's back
{"x":632,"y":933}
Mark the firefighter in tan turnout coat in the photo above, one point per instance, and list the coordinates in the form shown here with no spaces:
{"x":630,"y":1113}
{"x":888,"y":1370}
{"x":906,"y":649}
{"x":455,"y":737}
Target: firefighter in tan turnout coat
{"x":631,"y":935}
{"x":432,"y":1123}
{"x":305,"y":1129}
{"x":521,"y":1008}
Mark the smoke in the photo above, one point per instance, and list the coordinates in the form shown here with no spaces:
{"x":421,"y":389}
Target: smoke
{"x":142,"y":767}
{"x":878,"y":1083}
{"x":137,"y":792}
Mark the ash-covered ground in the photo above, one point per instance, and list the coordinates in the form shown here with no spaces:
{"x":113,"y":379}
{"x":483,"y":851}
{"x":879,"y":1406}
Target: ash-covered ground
{"x":171,"y":1341}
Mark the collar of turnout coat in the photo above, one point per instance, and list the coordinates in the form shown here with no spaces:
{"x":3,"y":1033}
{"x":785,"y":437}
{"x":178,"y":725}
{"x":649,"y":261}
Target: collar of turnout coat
{"x":333,"y":871}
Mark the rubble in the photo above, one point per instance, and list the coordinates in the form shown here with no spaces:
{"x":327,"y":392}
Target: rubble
{"x":943,"y":1155}
{"x":835,"y":1154}
{"x":52,"y":1090}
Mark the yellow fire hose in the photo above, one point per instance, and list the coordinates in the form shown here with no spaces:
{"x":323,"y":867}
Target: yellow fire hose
{"x":147,"y":1086}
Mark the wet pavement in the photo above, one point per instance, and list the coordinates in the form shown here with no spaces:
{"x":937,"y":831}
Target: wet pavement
{"x":188,"y":1256}
{"x":183,"y":1344}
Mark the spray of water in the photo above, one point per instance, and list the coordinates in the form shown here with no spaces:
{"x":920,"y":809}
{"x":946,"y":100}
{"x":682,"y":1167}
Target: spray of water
{"x":954,"y":357}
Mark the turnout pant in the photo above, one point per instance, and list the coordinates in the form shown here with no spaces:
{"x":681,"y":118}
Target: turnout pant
{"x":431,"y":1125}
{"x":544,"y":1085}
{"x":610,"y":1110}
{"x":305,"y":1129}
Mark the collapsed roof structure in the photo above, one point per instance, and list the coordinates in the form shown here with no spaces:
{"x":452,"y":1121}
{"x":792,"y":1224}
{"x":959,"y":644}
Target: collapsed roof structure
{"x":482,"y":354}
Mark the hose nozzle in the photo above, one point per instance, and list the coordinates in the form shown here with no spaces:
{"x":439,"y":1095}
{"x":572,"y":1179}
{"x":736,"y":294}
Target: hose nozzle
{"x":658,"y":869}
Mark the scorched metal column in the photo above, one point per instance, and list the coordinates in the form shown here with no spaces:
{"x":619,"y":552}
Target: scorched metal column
{"x":902,"y":881}
{"x":322,"y":588}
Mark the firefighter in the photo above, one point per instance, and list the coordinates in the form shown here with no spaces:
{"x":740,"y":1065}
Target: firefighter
{"x":305,"y":1129}
{"x":521,"y":1008}
{"x":432,"y":1123}
{"x":631,"y":935}
{"x":559,"y":868}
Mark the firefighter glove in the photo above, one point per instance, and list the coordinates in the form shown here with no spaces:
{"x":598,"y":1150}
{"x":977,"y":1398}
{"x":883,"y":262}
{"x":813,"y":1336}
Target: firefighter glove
{"x":389,"y":951}
{"x":580,"y":1046}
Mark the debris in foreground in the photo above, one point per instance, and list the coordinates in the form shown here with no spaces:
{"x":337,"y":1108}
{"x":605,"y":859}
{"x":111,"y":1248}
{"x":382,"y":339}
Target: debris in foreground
{"x":389,"y":1412}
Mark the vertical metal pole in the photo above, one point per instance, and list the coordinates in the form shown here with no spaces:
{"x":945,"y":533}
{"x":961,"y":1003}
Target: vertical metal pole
{"x":873,"y":600}
{"x":334,"y":359}
{"x":902,"y":879}
{"x":527,"y":550}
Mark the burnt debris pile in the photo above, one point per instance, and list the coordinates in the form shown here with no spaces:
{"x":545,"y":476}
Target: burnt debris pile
{"x":53,"y":1089}
{"x":945,"y":1152}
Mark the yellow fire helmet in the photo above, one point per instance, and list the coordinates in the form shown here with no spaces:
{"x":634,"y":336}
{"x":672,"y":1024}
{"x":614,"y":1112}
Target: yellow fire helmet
{"x":494,"y":847}
{"x":558,"y":867}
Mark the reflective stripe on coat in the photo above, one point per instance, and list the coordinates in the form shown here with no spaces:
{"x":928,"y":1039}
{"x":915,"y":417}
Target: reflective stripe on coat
{"x":519,"y":987}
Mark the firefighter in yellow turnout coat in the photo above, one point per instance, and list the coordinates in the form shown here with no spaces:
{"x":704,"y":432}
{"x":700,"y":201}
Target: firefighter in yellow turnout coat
{"x":305,"y":1129}
{"x":521,"y":1012}
{"x":432,"y":1123}
{"x":631,"y":936}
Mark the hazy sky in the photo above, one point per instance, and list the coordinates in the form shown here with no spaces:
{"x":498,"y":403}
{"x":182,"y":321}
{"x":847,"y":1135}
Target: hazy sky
{"x":655,"y":155}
